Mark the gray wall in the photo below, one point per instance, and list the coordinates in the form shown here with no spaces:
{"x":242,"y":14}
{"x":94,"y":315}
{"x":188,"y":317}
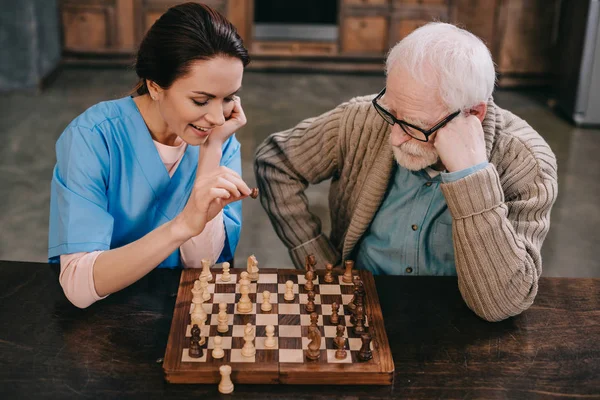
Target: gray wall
{"x":30,"y":44}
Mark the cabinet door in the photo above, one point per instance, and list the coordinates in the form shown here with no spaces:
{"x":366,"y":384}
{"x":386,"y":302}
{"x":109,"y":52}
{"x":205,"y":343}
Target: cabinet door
{"x":364,"y":35}
{"x":88,"y":27}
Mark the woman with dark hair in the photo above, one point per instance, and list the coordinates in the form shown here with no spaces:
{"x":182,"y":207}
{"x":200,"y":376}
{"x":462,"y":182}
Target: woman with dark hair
{"x":154,"y":180}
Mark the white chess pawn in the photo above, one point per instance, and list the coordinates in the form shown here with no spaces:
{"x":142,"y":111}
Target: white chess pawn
{"x":244,"y":280}
{"x":289,"y":291}
{"x":197,"y":292}
{"x":270,"y":340}
{"x":222,"y":326}
{"x":226,"y":276}
{"x":244,"y":306}
{"x":204,"y":285}
{"x":218,"y":350}
{"x":248,"y":350}
{"x":206,"y":269}
{"x":266,"y":303}
{"x":225,"y":386}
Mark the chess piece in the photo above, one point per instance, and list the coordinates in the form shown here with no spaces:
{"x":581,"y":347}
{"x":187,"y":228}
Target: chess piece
{"x":310,"y":262}
{"x":314,"y":346}
{"x":314,"y":319}
{"x":266,"y":303}
{"x":352,"y":303}
{"x":310,"y":304}
{"x":310,"y":276}
{"x":225,"y":386}
{"x":195,"y":351}
{"x":335,"y":319}
{"x":222,"y":318}
{"x":347,"y":277}
{"x":244,"y":279}
{"x":206,"y":269}
{"x":340,"y":343}
{"x":289,"y":291}
{"x":204,"y":286}
{"x":218,"y":351}
{"x":329,"y":273}
{"x":198,"y":316}
{"x":359,"y":324}
{"x":365,"y":353}
{"x":270,"y":340}
{"x":244,"y":306}
{"x":197,"y":292}
{"x":252,"y":267}
{"x":254,"y":193}
{"x":248,"y":350}
{"x":226,"y":276}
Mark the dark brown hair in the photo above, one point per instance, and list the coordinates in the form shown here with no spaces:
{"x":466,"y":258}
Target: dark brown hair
{"x":184,"y":34}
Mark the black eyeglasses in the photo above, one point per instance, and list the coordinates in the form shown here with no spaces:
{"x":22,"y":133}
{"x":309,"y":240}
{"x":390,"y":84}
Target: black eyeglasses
{"x":413,"y":131}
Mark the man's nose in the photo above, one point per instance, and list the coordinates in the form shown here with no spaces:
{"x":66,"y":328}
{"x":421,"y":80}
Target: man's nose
{"x":398,"y":136}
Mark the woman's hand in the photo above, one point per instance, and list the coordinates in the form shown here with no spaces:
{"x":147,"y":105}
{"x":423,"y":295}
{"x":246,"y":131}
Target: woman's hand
{"x":211,"y":192}
{"x":234,"y":120}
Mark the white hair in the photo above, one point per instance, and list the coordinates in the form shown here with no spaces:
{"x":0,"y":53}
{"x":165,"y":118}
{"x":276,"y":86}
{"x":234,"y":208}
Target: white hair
{"x":463,"y":68}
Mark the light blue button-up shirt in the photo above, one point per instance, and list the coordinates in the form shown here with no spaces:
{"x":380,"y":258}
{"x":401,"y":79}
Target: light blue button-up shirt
{"x":411,"y":233}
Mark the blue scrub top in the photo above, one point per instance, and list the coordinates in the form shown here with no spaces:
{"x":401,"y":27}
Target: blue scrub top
{"x":110,"y":186}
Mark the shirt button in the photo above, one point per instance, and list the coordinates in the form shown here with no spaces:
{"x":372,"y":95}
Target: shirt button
{"x":429,"y":184}
{"x":408,"y":270}
{"x":414,"y":227}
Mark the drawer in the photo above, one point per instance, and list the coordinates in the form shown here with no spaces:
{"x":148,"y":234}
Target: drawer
{"x":365,"y":2}
{"x":400,"y":3}
{"x":367,"y":35}
{"x":293,"y":48}
{"x":88,"y":27}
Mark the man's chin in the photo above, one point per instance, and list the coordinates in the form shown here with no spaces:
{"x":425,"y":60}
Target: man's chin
{"x":411,"y":162}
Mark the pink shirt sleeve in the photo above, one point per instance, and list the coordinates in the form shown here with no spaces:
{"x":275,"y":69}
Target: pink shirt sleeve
{"x":208,"y":244}
{"x":77,"y":278}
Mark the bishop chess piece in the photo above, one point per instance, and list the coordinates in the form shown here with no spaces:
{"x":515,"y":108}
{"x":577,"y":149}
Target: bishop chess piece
{"x":314,"y":346}
{"x":218,"y":351}
{"x":310,"y":304}
{"x":206,"y":270}
{"x":270,"y":340}
{"x":347,"y":277}
{"x":266,"y":303}
{"x":226,"y":276}
{"x":328,"y":274}
{"x":310,"y":276}
{"x":340,"y":343}
{"x":248,"y":350}
{"x":226,"y":385}
{"x":335,"y":318}
{"x":365,"y":353}
{"x":252,"y":268}
{"x":289,"y":291}
{"x":222,"y":325}
{"x":195,"y":351}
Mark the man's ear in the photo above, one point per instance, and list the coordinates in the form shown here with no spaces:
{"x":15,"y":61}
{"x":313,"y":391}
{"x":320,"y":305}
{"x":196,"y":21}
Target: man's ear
{"x":479,"y":111}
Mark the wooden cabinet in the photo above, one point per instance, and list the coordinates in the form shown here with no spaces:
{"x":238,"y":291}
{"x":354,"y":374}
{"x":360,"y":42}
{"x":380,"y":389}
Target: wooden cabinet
{"x":89,"y":27}
{"x":364,"y":35}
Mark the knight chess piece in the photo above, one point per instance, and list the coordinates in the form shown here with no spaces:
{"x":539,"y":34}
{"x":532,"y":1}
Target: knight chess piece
{"x":314,"y":346}
{"x":252,"y":268}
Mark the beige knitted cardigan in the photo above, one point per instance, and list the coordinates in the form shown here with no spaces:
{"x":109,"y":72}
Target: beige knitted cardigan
{"x":501,"y":214}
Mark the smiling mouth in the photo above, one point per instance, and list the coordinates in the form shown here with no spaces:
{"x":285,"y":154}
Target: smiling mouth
{"x":200,"y":128}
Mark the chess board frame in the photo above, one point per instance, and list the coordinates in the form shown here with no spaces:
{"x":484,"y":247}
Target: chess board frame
{"x":267,"y":369}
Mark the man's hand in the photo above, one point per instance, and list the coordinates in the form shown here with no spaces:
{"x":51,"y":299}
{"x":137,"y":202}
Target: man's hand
{"x":234,"y":120}
{"x":461,"y":144}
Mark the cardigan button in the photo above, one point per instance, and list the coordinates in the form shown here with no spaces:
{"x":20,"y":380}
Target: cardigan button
{"x":408,"y":270}
{"x":414,"y":227}
{"x":429,"y":184}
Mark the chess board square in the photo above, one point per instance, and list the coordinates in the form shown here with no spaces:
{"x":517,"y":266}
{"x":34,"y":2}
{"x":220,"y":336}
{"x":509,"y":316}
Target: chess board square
{"x":243,"y":319}
{"x":289,"y":319}
{"x":303,"y":309}
{"x":272,"y":299}
{"x":289,"y":331}
{"x":267,"y":319}
{"x":267,"y":278}
{"x":355,"y":344}
{"x":283,"y":278}
{"x":346,"y":298}
{"x":290,"y":343}
{"x":251,"y":312}
{"x":252,"y":288}
{"x":236,"y":356}
{"x":226,"y":344}
{"x":214,"y":319}
{"x":329,"y":289}
{"x":204,"y":330}
{"x":331,"y":298}
{"x":304,"y":331}
{"x":281,"y":288}
{"x":293,"y":309}
{"x":215,"y":332}
{"x":232,"y":279}
{"x":305,"y":320}
{"x":331,"y":331}
{"x":326,"y":309}
{"x":306,"y":341}
{"x":237,"y":330}
{"x":185,"y":356}
{"x":302,"y":280}
{"x":207,"y":307}
{"x":331,"y":357}
{"x":260,"y":343}
{"x":304,"y":298}
{"x":291,"y":356}
{"x":228,"y":298}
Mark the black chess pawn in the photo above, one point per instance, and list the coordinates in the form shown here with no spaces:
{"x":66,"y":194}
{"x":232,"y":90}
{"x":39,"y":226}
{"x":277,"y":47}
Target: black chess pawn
{"x":310,"y":305}
{"x":335,"y":318}
{"x":310,"y":276}
{"x":359,"y":323}
{"x":365,"y":353}
{"x":314,"y":319}
{"x":195,"y":350}
{"x":358,"y":302}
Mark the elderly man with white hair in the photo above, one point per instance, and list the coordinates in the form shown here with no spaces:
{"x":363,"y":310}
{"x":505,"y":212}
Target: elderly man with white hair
{"x":429,"y":177}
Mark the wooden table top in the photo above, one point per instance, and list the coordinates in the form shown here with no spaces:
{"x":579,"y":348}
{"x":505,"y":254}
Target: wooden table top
{"x":51,"y":349}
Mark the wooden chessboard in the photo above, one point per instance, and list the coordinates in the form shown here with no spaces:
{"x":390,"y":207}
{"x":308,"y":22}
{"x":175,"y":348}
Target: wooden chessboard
{"x":286,"y":363}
